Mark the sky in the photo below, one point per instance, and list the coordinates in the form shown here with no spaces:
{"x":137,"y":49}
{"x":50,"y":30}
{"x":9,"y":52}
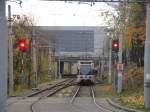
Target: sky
{"x":46,"y":13}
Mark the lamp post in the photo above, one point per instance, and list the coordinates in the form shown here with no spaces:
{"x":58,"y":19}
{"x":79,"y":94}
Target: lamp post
{"x":3,"y":56}
{"x":110,"y":55}
{"x":10,"y":49}
{"x":120,"y":74}
{"x":110,"y":61}
{"x":34,"y":59}
{"x":109,"y":35}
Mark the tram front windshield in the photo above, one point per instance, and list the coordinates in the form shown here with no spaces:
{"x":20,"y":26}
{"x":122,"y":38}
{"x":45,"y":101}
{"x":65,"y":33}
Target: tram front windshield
{"x":85,"y":70}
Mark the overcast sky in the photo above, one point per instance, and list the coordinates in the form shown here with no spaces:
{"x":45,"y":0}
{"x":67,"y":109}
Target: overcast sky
{"x":62,"y":14}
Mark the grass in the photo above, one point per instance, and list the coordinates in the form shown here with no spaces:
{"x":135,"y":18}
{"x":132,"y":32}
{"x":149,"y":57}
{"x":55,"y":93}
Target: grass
{"x":147,"y":110}
{"x":105,"y":90}
{"x":131,"y":98}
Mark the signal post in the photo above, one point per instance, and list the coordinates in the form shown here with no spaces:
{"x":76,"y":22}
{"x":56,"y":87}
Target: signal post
{"x":147,"y":61}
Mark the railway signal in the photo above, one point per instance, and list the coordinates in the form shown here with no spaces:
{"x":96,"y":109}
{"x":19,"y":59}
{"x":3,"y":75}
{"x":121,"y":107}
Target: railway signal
{"x":22,"y":44}
{"x":115,"y":45}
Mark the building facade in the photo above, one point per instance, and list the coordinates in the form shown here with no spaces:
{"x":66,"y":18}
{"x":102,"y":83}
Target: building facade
{"x":77,"y":41}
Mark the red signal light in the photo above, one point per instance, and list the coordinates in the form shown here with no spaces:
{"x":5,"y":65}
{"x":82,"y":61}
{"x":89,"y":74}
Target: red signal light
{"x":115,"y":45}
{"x":22,"y":45}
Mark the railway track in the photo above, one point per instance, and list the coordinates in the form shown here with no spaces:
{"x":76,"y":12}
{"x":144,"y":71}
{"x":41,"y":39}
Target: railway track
{"x":39,"y":92}
{"x":48,"y":92}
{"x":96,"y":104}
{"x":80,"y":91}
{"x":101,"y":107}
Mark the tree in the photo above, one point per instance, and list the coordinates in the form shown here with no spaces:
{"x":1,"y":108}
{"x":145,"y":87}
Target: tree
{"x":135,"y":32}
{"x":22,"y":60}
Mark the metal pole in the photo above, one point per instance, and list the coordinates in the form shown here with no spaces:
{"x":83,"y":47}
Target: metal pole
{"x":99,"y":67}
{"x":59,"y":69}
{"x":3,"y":56}
{"x":59,"y":74}
{"x":147,"y":61}
{"x":56,"y":70}
{"x":109,"y":74}
{"x":49,"y":62}
{"x":102,"y":62}
{"x":22,"y":72}
{"x":119,"y":89}
{"x":11,"y":79}
{"x":34,"y":59}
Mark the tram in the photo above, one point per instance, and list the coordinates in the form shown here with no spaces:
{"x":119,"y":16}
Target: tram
{"x":86,"y":74}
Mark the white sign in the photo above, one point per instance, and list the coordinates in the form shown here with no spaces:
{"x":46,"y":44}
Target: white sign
{"x":120,"y":67}
{"x":147,"y":76}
